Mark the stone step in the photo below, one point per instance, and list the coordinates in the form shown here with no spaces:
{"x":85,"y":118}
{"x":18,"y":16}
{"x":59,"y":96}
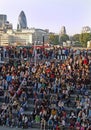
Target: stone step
{"x":28,"y":112}
{"x":38,"y":126}
{"x":2,"y":99}
{"x":31,"y":100}
{"x":69,"y":109}
{"x":30,"y":107}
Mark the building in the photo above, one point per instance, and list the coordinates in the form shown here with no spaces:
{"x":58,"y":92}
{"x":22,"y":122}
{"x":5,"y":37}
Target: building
{"x":4,"y":24}
{"x":86,"y":29}
{"x":62,"y":32}
{"x":22,"y":35}
{"x":89,"y":44}
{"x":3,"y":19}
{"x":25,"y":37}
{"x":67,"y":44}
{"x":22,"y":21}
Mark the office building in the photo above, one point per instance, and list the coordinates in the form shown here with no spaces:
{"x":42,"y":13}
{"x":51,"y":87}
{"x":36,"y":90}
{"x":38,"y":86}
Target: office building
{"x":25,"y":37}
{"x":3,"y":19}
{"x":22,"y":21}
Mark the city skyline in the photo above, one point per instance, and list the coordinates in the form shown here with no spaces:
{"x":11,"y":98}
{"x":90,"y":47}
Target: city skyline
{"x":49,"y":14}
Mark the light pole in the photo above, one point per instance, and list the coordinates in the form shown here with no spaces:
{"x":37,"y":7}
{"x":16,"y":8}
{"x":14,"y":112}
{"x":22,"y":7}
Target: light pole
{"x":43,"y":41}
{"x":35,"y":53}
{"x":0,"y":54}
{"x":38,"y":42}
{"x":0,"y":39}
{"x":0,"y":48}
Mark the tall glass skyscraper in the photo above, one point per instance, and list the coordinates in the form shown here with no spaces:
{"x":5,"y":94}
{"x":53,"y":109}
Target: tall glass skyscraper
{"x":22,"y":21}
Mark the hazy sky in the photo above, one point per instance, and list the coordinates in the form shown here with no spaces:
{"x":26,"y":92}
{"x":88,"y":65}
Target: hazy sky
{"x":51,"y":14}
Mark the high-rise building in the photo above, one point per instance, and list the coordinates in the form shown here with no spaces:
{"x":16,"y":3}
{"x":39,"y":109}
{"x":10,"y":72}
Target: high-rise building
{"x":3,"y":19}
{"x":22,"y":21}
{"x":4,"y":24}
{"x":23,"y":35}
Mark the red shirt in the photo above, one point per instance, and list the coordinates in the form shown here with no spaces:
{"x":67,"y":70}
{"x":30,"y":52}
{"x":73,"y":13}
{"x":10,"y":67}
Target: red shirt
{"x":48,"y":70}
{"x":85,"y":62}
{"x":52,"y":75}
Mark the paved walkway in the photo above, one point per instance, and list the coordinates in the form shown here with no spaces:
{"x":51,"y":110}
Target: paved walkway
{"x":8,"y":128}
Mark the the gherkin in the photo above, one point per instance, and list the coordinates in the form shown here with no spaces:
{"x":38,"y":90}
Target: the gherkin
{"x":22,"y":21}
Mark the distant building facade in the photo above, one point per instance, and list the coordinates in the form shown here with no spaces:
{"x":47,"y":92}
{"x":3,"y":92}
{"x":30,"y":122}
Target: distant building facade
{"x":4,"y":24}
{"x":86,"y":29}
{"x":67,"y":44}
{"x":3,"y":19}
{"x":22,"y":35}
{"x":62,"y":32}
{"x":25,"y":37}
{"x":89,"y":44}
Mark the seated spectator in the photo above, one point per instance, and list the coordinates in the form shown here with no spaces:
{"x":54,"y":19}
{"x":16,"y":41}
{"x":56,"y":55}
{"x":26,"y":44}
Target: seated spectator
{"x":5,"y":84}
{"x":78,"y":126}
{"x":24,"y":104}
{"x":25,"y":121}
{"x":72,"y":116}
{"x":89,"y":112}
{"x":53,"y":113}
{"x":43,"y":123}
{"x":4,"y":106}
{"x":21,"y":110}
{"x":6,"y":97}
{"x":50,"y":124}
{"x":37,"y":118}
{"x":82,"y":126}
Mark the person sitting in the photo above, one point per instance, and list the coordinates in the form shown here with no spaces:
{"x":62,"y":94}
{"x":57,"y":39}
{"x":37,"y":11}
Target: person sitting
{"x":53,"y":113}
{"x":43,"y":123}
{"x":50,"y":124}
{"x":37,"y":118}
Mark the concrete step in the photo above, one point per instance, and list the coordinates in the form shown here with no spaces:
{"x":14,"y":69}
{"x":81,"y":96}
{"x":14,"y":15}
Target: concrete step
{"x":2,"y":99}
{"x":31,"y":101}
{"x":30,"y":107}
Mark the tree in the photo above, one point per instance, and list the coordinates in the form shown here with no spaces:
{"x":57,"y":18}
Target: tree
{"x":84,"y":37}
{"x":76,"y":37}
{"x":54,"y":39}
{"x":64,"y":38}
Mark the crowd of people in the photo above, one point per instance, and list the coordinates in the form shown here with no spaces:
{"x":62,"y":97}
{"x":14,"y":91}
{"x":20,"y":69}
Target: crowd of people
{"x":58,"y":83}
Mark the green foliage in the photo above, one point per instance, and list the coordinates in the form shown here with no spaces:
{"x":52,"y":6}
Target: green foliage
{"x":77,"y":44}
{"x":54,"y":39}
{"x":76,"y":37}
{"x":84,"y":37}
{"x":64,"y":38}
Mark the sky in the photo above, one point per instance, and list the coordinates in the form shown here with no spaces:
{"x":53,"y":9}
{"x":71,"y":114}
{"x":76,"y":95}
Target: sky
{"x":49,"y":14}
